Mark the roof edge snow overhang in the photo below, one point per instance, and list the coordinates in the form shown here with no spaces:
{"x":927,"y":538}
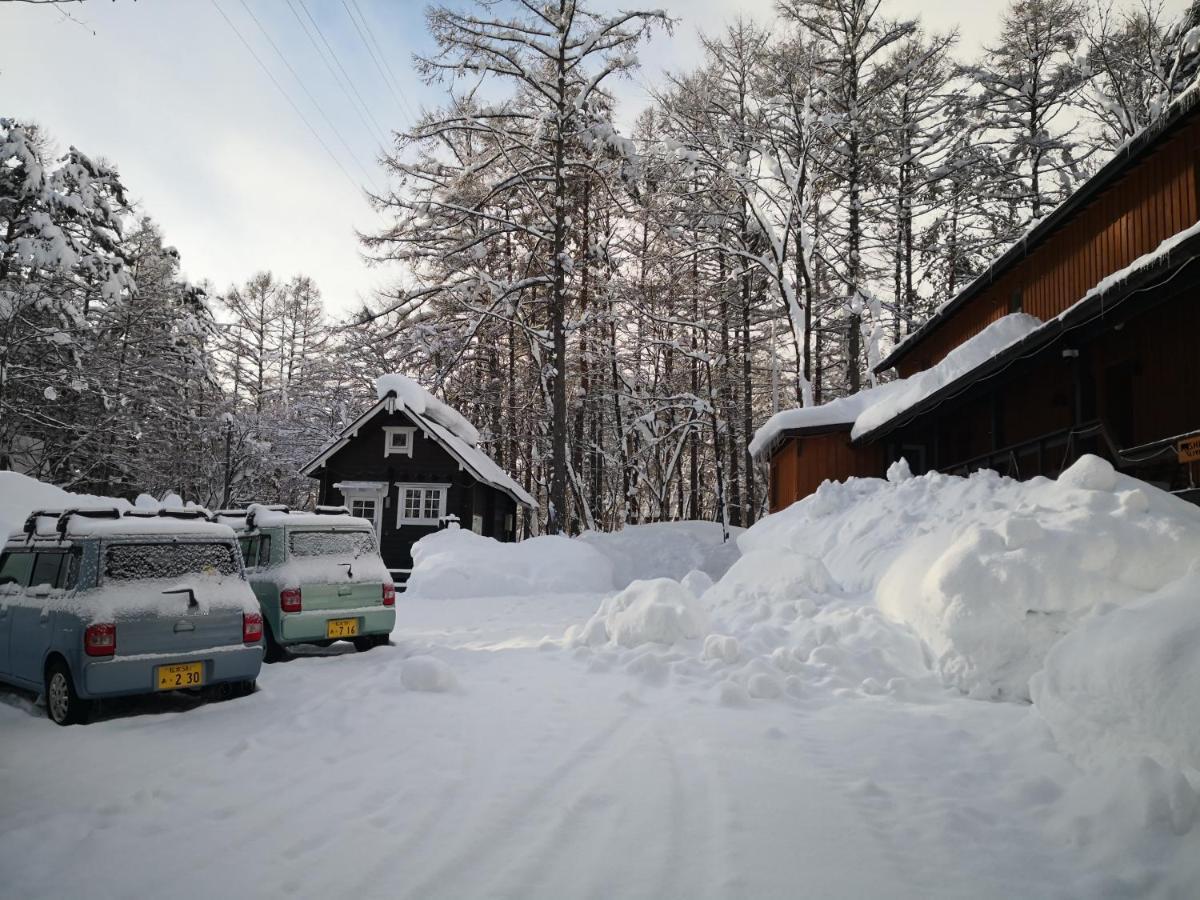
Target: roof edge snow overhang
{"x":1084,"y":312}
{"x":786,"y":434}
{"x":1126,"y":155}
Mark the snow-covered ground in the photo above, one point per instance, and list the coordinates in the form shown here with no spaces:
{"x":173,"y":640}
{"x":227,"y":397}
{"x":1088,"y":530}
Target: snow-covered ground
{"x":792,"y":730}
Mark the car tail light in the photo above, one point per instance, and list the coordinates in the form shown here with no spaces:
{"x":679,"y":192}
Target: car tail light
{"x":100,"y":640}
{"x":289,"y":600}
{"x":389,"y":594}
{"x":252,"y":628}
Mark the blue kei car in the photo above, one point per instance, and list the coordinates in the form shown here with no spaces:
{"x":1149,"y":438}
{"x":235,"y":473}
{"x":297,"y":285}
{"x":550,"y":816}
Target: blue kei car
{"x":97,"y":603}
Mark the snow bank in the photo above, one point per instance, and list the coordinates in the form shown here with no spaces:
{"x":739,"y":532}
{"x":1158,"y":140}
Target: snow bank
{"x":423,"y":403}
{"x":1126,"y":683}
{"x":20,"y":495}
{"x":660,"y":611}
{"x":665,"y":550}
{"x":458,"y":563}
{"x":989,"y":571}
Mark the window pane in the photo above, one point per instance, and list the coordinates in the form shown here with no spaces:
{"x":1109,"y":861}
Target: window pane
{"x":412,"y":503}
{"x":247,"y":545}
{"x":46,"y":569}
{"x":433,"y":500}
{"x":331,"y":543}
{"x":138,"y":561}
{"x":15,"y":568}
{"x":264,"y":550}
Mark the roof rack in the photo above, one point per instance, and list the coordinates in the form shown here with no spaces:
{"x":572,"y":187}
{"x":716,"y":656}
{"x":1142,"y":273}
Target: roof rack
{"x":331,"y":511}
{"x":30,"y":526}
{"x":65,"y":518}
{"x":196,"y":512}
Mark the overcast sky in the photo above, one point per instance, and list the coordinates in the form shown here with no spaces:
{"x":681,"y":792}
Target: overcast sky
{"x":216,"y":154}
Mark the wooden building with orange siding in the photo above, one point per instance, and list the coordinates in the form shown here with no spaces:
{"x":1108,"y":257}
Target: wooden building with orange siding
{"x":1112,"y":275}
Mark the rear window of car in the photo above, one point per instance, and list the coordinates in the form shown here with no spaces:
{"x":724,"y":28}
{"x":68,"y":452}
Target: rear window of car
{"x":141,"y":561}
{"x":331,"y":543}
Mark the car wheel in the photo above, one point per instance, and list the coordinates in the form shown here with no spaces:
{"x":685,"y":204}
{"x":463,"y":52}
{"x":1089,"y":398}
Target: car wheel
{"x":273,"y":651}
{"x":364,"y":642}
{"x":383,"y":640}
{"x":64,"y":706}
{"x":245,"y":688}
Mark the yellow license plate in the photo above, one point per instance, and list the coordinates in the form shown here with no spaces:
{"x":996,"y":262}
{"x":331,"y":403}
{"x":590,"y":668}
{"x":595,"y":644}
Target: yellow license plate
{"x":180,"y":676}
{"x":341,"y":628}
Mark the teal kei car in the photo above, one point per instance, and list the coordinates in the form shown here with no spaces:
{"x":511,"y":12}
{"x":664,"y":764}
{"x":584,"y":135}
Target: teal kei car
{"x":97,"y":603}
{"x":317,"y":575}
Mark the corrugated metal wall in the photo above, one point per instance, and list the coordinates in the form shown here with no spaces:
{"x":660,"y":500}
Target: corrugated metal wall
{"x":1152,"y":201}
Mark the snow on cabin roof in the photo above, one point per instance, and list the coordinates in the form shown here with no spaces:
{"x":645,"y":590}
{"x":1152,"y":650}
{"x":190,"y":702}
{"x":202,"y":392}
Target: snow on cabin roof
{"x":870,"y":409}
{"x":834,"y":415}
{"x":446,"y":425}
{"x":960,"y":361}
{"x":416,"y":399}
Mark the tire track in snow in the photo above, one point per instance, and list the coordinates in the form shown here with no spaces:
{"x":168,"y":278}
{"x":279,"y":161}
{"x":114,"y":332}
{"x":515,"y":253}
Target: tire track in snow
{"x":499,"y":826}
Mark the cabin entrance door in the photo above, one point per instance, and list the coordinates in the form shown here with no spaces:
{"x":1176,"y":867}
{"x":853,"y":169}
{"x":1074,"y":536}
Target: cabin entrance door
{"x":364,"y":499}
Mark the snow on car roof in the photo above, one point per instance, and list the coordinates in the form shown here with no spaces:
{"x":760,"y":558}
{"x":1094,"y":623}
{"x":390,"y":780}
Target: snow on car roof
{"x":113,"y":523}
{"x":276,"y":517}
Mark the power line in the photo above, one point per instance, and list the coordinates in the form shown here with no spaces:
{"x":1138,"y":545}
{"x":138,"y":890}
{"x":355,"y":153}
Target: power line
{"x":383,"y":56}
{"x":379,"y":65}
{"x":308,"y":93}
{"x":337,"y":162}
{"x":337,"y":59}
{"x":357,"y":106}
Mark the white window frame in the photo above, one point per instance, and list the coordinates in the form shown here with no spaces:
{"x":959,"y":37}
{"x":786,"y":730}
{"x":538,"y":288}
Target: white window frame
{"x":398,"y":440}
{"x":376,"y":491}
{"x":443,"y":491}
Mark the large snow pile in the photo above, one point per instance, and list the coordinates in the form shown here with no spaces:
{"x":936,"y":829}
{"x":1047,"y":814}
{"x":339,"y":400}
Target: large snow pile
{"x":460,"y":563}
{"x":456,"y":562}
{"x":423,"y":403}
{"x":1127,"y":683}
{"x":989,"y":571}
{"x":904,"y":586}
{"x":20,"y":495}
{"x":665,"y":550}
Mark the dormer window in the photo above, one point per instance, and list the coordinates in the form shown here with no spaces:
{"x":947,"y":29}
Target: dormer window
{"x":398,"y":440}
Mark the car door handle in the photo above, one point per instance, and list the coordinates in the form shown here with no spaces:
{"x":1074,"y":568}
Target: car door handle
{"x":44,"y":618}
{"x":345,"y":591}
{"x":184,"y":626}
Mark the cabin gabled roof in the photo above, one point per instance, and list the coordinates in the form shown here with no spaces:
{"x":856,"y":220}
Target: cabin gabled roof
{"x":481,"y":466}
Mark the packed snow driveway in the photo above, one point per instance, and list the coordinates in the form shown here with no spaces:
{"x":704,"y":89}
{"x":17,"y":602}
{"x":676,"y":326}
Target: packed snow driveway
{"x":521,"y":773}
{"x":919,"y":687}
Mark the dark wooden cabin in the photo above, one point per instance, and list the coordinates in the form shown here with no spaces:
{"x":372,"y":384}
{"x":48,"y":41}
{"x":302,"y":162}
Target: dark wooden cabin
{"x":411,"y":474}
{"x":1112,"y":275}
